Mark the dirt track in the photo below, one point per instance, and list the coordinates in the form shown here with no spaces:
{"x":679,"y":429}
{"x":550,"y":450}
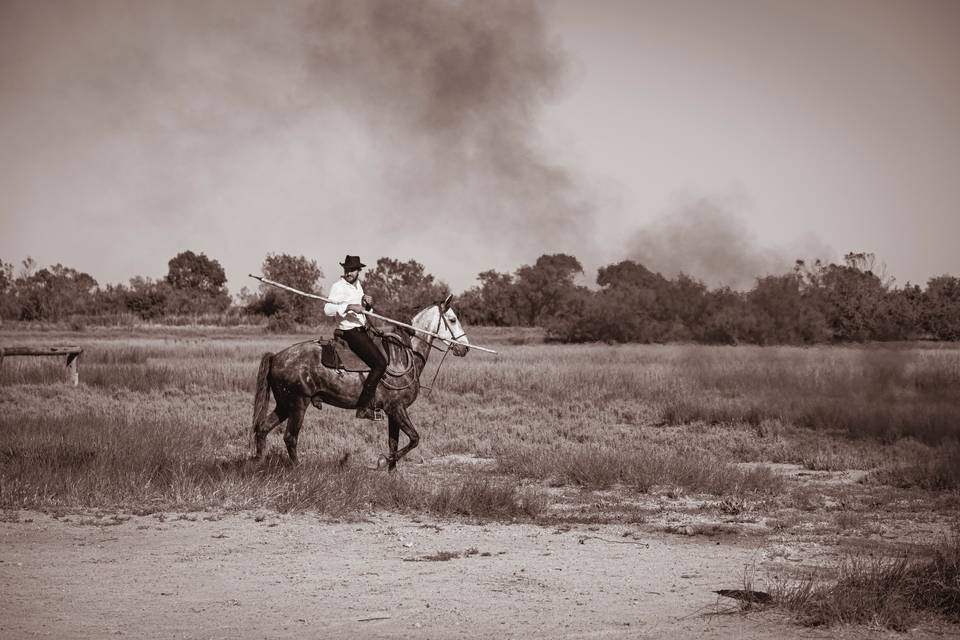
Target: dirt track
{"x":295,"y":576}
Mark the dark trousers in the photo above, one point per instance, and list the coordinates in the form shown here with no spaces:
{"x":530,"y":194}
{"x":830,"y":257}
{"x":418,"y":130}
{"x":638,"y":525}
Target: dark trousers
{"x":361,"y":344}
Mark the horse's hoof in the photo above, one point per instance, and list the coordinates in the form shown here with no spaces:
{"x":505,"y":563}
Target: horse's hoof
{"x":384,"y":459}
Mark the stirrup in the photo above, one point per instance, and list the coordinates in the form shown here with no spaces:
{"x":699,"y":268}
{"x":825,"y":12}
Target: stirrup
{"x":378,"y":414}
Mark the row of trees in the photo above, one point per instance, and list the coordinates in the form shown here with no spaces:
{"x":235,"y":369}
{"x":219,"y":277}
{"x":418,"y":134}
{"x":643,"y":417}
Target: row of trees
{"x":195,"y":284}
{"x":813,"y":303}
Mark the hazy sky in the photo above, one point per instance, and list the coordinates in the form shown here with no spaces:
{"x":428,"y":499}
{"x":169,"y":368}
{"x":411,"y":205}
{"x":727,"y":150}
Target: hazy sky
{"x":723,"y":138}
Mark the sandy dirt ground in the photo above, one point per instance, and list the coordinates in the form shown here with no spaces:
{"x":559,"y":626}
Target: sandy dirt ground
{"x":267,"y":575}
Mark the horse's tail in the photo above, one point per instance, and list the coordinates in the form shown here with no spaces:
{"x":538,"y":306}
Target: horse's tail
{"x":261,"y":398}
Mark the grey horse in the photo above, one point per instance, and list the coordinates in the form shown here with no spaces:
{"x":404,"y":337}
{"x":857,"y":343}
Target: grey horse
{"x":297,"y":378}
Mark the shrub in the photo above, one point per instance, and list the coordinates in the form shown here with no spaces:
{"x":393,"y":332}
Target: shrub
{"x":892,"y":594}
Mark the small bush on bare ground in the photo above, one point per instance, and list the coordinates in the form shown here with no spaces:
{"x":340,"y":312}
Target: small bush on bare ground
{"x":891,"y":594}
{"x":441,"y":556}
{"x":477,"y":497}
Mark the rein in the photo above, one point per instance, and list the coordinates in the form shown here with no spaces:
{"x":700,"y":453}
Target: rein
{"x":388,"y":374}
{"x":442,"y":321}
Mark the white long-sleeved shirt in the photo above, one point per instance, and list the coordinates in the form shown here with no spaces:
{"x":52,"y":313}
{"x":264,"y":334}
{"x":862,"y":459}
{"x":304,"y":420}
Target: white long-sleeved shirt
{"x":343,"y":294}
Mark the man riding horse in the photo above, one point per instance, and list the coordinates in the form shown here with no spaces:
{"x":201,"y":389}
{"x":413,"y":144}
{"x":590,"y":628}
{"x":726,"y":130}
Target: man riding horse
{"x":348,"y":302}
{"x":298,"y":377}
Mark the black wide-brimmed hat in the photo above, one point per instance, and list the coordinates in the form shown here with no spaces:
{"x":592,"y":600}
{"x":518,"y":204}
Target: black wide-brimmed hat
{"x":352,"y":262}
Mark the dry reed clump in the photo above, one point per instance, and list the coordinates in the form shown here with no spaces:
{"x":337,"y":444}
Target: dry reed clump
{"x":92,"y":458}
{"x":474,"y":496}
{"x":890,"y":594}
{"x":485,"y":498}
{"x":333,"y":490}
{"x":939,"y":470}
{"x":96,"y":459}
{"x":642,"y":469}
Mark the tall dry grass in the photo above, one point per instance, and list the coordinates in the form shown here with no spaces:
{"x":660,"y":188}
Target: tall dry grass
{"x":599,"y":466}
{"x":884,"y":393}
{"x":143,"y":461}
{"x":162,"y":417}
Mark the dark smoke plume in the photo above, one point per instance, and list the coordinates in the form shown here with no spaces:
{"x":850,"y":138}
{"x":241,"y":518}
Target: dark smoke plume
{"x":703,"y":239}
{"x":461,"y":84}
{"x":238,"y":127}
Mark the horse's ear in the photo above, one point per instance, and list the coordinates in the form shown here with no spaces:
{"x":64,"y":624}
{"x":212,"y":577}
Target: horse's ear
{"x":446,"y":302}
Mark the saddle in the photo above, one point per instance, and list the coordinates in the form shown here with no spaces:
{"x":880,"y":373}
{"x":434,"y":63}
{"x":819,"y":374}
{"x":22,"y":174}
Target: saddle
{"x":336,"y":353}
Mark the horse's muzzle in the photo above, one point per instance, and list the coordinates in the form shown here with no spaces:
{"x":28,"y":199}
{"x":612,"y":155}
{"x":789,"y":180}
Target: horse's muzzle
{"x":459,"y":349}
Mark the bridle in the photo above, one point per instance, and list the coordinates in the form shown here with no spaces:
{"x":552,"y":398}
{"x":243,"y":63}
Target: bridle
{"x":446,"y":323}
{"x":442,"y":320}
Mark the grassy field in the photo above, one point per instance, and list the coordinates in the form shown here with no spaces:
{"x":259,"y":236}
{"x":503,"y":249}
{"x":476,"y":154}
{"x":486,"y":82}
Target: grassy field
{"x":162,"y":417}
{"x":679,"y":438}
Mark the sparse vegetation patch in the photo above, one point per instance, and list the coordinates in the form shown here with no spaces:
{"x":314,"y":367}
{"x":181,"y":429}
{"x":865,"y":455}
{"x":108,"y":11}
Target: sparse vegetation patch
{"x":885,"y":593}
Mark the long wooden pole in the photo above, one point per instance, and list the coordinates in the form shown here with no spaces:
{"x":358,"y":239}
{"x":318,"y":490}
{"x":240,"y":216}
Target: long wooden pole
{"x":366,"y":313}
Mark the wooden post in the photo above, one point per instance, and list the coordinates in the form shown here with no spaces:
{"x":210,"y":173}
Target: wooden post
{"x":72,"y":353}
{"x":73,"y":367}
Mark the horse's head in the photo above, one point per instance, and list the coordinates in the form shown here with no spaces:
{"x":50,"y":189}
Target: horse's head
{"x":441,"y":319}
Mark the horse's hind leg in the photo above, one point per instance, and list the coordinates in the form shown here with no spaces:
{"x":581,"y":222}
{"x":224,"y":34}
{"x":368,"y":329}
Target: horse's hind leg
{"x":278,"y":415}
{"x":294,"y":422}
{"x":401,"y":418}
{"x":393,"y":436}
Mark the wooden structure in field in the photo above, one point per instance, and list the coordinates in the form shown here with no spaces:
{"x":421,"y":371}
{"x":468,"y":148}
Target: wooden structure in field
{"x":72,"y":354}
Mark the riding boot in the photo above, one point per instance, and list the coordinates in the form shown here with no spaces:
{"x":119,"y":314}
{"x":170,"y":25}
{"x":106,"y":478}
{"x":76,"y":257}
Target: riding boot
{"x":365,"y":406}
{"x":363,"y":346}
